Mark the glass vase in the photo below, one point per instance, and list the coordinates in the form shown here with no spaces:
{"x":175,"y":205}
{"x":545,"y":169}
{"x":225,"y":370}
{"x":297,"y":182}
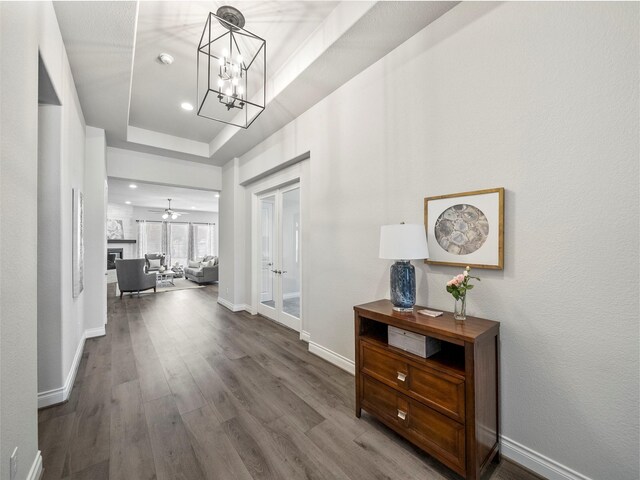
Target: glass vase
{"x":460,"y":308}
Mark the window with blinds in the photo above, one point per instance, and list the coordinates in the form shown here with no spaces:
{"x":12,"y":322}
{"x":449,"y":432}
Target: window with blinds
{"x":204,"y":240}
{"x":154,"y":242}
{"x":179,"y":243}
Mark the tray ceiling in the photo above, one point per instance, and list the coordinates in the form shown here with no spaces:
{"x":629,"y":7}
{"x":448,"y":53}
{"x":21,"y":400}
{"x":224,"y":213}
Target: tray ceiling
{"x":113,"y":49}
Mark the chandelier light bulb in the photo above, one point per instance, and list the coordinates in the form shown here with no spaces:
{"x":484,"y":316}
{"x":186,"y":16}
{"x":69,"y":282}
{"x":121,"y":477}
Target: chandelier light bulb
{"x":228,"y":92}
{"x":174,"y":216}
{"x":240,"y":90}
{"x":165,"y":216}
{"x":235,"y":80}
{"x":240,"y":59}
{"x":225,"y":52}
{"x":220,"y":82}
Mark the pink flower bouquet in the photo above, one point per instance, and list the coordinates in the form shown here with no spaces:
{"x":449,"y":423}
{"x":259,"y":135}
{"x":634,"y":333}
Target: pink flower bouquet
{"x":459,"y":284}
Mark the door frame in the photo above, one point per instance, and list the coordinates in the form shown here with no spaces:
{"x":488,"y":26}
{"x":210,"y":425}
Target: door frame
{"x":281,"y":179}
{"x":277,"y":313}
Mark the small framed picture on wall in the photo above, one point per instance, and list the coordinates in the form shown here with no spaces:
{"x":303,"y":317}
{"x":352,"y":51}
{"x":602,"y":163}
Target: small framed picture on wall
{"x":466,"y":229}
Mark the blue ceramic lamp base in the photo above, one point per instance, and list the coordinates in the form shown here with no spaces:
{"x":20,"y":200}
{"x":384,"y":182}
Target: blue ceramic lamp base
{"x":403,"y":286}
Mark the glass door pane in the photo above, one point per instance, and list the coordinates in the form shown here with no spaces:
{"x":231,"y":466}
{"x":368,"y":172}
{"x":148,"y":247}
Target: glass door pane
{"x":290,"y":244}
{"x":267,"y":251}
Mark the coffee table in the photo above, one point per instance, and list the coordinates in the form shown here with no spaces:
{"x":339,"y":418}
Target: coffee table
{"x":165,"y":279}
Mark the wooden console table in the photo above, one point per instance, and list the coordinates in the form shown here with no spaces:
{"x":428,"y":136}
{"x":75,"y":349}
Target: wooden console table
{"x":447,"y":404}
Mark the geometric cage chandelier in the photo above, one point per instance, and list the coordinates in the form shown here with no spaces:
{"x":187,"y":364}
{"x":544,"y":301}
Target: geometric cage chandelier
{"x":232,"y":67}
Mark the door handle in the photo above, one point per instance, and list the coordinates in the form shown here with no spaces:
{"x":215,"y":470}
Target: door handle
{"x":284,"y":271}
{"x":402,"y":415}
{"x":402,"y":377}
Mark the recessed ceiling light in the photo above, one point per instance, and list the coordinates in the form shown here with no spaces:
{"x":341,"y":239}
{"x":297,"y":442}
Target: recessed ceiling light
{"x":217,"y":195}
{"x":128,"y":202}
{"x":165,"y":58}
{"x":186,"y":106}
{"x":133,"y":185}
{"x":193,"y":208}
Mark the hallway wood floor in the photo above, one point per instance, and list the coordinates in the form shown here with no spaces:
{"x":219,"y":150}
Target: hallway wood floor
{"x":181,"y":388}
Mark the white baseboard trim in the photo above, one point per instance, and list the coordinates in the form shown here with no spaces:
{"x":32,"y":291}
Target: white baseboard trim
{"x":332,"y":357}
{"x":59,"y":395}
{"x":227,"y":304}
{"x":36,"y":468}
{"x":538,"y":463}
{"x":51,"y":397}
{"x":241,"y":307}
{"x":305,"y":336}
{"x":95,"y":332}
{"x":250,"y":309}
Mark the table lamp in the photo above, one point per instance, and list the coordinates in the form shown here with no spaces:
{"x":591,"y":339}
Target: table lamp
{"x":403,"y":242}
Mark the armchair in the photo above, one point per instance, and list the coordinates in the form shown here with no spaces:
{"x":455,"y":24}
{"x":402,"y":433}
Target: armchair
{"x":151,"y":261}
{"x":132,"y":277}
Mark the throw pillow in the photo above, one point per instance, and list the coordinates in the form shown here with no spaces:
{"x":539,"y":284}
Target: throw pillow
{"x":154,"y":263}
{"x":215,"y":261}
{"x":193,"y":264}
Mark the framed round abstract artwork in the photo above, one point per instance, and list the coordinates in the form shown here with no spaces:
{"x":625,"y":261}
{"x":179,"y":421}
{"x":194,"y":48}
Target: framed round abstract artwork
{"x":466,"y":229}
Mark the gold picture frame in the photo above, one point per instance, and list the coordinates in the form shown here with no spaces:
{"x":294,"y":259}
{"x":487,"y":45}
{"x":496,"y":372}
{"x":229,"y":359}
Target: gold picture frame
{"x":466,"y":229}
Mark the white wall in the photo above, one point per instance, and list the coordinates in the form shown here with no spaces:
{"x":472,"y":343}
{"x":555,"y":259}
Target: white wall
{"x":27,"y":29}
{"x":73,"y":160}
{"x":50,"y":376}
{"x":234,"y":222}
{"x":95,"y":175}
{"x":151,"y":168}
{"x":19,"y":24}
{"x":542,"y":99}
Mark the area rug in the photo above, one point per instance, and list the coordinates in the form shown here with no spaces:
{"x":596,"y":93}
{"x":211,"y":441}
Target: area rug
{"x":179,"y":284}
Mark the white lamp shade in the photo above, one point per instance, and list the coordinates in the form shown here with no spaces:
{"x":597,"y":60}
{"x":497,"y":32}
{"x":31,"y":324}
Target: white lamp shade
{"x":403,"y":242}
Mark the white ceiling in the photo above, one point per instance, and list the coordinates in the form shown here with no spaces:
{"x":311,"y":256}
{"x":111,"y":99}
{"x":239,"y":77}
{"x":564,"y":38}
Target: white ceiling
{"x":155,"y":196}
{"x":176,"y":27}
{"x":313,"y":47}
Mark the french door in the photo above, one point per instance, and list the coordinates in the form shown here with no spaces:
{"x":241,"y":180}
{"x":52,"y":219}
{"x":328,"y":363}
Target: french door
{"x":280,"y":282}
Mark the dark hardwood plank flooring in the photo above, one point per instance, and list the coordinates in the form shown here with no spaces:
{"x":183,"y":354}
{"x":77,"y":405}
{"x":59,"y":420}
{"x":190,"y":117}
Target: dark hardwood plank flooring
{"x":181,"y":388}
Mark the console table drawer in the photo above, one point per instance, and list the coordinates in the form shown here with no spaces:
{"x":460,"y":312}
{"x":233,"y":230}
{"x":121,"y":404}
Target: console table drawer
{"x":432,"y":431}
{"x":437,"y":434}
{"x":382,"y":400}
{"x":384,"y":367}
{"x":443,"y":392}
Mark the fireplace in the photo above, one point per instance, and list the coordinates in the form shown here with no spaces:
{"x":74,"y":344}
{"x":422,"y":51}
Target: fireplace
{"x":112,"y":254}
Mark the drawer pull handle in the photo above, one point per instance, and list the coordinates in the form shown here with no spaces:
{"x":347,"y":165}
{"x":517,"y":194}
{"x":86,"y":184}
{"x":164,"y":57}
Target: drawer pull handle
{"x":402,"y":376}
{"x":402,"y":414}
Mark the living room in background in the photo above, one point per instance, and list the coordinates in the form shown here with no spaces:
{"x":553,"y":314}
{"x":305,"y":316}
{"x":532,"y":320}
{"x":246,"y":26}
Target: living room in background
{"x":180,"y":241}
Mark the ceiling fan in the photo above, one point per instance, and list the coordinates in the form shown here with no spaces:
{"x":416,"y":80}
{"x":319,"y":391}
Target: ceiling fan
{"x":169,"y":212}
